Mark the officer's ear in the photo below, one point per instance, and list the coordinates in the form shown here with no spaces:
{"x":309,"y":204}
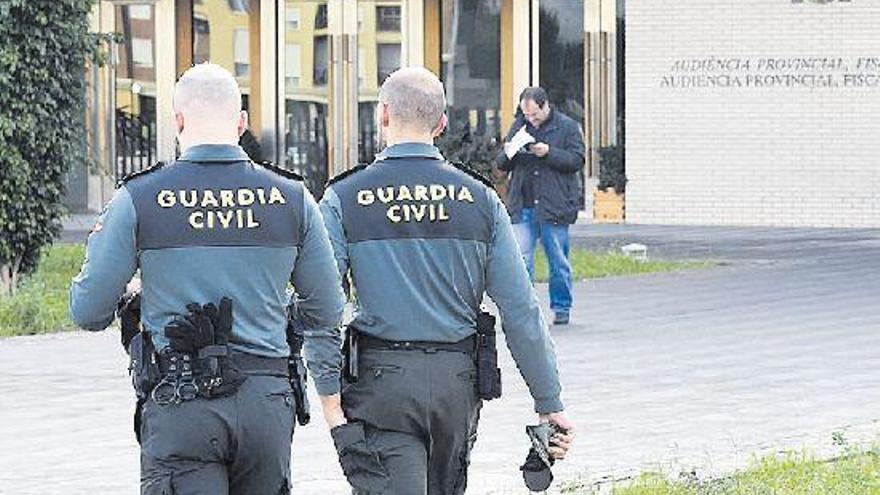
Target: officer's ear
{"x":178,"y":119}
{"x":242,"y":122}
{"x":384,"y":115}
{"x":441,"y":126}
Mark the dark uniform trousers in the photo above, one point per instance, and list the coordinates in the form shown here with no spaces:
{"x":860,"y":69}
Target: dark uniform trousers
{"x":420,"y":412}
{"x":237,"y":445}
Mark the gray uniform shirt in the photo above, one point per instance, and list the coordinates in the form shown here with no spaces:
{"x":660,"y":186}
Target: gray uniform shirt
{"x":215,"y":224}
{"x":423,"y":242}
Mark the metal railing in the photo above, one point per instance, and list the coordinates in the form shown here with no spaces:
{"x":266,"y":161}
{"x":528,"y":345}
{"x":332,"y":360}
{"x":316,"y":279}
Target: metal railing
{"x":135,"y":143}
{"x":307,"y":149}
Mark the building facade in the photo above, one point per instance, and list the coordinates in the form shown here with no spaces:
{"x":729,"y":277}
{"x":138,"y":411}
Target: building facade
{"x":310,"y":71}
{"x":733,"y":112}
{"x":753,"y":112}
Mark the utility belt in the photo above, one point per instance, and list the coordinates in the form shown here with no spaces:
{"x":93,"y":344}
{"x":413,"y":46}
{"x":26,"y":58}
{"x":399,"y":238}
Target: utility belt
{"x":481,"y":347}
{"x":466,"y":345}
{"x":202,"y":364}
{"x":187,"y":376}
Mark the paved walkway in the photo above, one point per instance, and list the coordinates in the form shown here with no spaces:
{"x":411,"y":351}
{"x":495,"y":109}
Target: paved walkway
{"x":699,"y":369}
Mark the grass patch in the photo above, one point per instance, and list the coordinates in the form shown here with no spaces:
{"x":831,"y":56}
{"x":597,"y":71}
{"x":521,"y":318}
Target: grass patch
{"x":857,"y":473}
{"x":41,"y":303}
{"x":591,"y":264}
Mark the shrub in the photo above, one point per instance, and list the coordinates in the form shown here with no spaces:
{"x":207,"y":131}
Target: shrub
{"x":44,"y":48}
{"x":477,"y":151}
{"x":612,"y":172}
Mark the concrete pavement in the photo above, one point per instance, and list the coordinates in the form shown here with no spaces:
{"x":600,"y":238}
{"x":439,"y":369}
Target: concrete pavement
{"x":699,"y":369}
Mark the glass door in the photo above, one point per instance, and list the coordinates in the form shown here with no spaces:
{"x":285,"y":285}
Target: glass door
{"x":581,"y":65}
{"x":306,"y":92}
{"x":133,"y":97}
{"x":227,"y":33}
{"x":335,"y":56}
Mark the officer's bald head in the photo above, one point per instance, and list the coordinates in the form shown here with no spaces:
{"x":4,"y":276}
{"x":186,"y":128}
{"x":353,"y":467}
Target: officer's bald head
{"x":415,"y":101}
{"x":207,"y":103}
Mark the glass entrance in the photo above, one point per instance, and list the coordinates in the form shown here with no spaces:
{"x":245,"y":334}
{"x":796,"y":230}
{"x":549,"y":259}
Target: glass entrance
{"x":227,"y":33}
{"x":306,"y":90}
{"x":581,"y":64}
{"x":133,"y":75}
{"x":336,"y":55}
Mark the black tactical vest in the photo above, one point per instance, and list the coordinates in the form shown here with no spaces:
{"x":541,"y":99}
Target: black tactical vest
{"x":216,"y":204}
{"x":414,"y":198}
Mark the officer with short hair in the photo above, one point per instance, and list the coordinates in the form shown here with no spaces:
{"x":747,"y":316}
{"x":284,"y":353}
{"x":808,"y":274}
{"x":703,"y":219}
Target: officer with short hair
{"x":217,"y":239}
{"x":422,"y":241}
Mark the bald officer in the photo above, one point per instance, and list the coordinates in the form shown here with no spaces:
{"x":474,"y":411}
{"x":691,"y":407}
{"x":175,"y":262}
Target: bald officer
{"x":210,"y":226}
{"x":422,"y":242}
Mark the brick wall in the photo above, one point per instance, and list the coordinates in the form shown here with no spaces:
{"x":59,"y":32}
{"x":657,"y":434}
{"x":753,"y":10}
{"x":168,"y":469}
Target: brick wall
{"x":768,"y":144}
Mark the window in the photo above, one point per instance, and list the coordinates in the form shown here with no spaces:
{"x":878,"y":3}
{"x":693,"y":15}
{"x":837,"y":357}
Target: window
{"x":140,"y":12}
{"x":238,"y":5}
{"x":388,"y":18}
{"x":142,"y":52}
{"x":201,"y":40}
{"x":471,"y":69}
{"x":292,"y":65}
{"x":321,"y":58}
{"x":321,"y":16}
{"x":389,"y":60}
{"x":292,"y":15}
{"x":362,"y":66}
{"x":241,"y":48}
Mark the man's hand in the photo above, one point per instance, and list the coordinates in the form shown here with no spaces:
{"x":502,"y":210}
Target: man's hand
{"x":133,"y":286}
{"x":332,"y":407}
{"x":540,"y":149}
{"x":560,"y":443}
{"x":128,"y":309}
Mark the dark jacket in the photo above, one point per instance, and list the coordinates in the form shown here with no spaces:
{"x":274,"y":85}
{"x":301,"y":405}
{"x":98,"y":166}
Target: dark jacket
{"x":557,"y":184}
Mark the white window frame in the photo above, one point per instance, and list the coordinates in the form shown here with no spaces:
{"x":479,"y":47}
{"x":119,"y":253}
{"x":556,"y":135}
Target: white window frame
{"x":142,"y":52}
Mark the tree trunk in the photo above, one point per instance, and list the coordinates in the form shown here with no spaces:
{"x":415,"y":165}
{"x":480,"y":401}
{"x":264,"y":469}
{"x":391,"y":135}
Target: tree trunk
{"x":9,"y":277}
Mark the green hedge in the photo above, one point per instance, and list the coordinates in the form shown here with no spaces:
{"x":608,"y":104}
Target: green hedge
{"x":41,"y":303}
{"x":44,"y":48}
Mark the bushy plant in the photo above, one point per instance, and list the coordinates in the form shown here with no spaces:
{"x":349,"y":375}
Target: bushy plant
{"x":44,"y":48}
{"x":611,"y":169}
{"x":478,"y":151}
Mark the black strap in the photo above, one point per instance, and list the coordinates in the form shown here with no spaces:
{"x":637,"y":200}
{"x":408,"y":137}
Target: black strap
{"x":245,"y":362}
{"x":465,"y":345}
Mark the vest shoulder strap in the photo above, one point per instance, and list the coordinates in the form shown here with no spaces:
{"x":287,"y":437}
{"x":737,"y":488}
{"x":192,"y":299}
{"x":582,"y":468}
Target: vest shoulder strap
{"x":139,"y":173}
{"x":474,"y":173}
{"x":281,"y":171}
{"x":347,"y":173}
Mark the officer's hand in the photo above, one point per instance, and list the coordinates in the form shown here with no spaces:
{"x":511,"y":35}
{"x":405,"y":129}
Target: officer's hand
{"x":560,"y":443}
{"x":540,"y":149}
{"x":331,"y":405}
{"x":129,"y":312}
{"x":128,"y":309}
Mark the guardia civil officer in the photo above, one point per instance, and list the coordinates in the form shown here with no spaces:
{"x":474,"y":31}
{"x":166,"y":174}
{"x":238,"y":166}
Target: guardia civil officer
{"x":216,"y":238}
{"x":422,"y":241}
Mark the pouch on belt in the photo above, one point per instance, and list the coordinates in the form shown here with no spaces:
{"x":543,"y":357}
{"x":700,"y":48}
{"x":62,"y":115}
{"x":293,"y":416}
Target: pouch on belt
{"x":488,"y":373}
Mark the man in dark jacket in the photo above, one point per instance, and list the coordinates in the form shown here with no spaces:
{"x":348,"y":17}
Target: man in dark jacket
{"x":545,"y":189}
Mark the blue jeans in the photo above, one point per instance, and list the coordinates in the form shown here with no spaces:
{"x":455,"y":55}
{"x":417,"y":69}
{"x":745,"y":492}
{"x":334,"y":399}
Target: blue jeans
{"x":554,"y":240}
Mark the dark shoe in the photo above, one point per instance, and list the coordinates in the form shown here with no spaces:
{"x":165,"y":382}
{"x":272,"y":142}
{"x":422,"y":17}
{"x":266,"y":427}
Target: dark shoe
{"x":561,"y":318}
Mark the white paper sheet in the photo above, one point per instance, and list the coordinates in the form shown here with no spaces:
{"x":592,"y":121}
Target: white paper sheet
{"x":516,"y":143}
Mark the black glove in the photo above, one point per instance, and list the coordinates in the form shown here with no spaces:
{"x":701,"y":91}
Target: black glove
{"x":191,"y":332}
{"x":362,"y":467}
{"x":221,"y":321}
{"x":536,"y":470}
{"x":128,"y":309}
